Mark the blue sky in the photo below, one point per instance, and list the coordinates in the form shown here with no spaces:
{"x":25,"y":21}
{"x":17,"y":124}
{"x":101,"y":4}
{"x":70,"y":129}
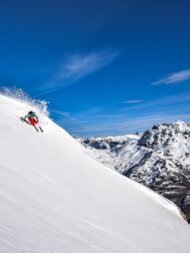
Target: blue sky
{"x":107,"y":67}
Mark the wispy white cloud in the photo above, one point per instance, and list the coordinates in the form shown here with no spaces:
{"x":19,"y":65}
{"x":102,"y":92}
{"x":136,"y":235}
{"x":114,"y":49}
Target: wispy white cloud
{"x":174,"y":78}
{"x":134,"y":101}
{"x":129,"y":126}
{"x":78,"y":66}
{"x":68,"y":121}
{"x":157,"y":103}
{"x":127,"y":119}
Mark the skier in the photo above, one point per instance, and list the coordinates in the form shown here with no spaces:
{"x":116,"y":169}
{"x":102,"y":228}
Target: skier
{"x":32,"y":118}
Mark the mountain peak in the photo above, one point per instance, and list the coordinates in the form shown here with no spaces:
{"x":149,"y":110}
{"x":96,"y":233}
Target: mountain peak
{"x":159,"y":159}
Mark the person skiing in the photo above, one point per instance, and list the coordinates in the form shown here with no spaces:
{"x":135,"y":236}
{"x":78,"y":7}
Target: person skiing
{"x":32,"y":118}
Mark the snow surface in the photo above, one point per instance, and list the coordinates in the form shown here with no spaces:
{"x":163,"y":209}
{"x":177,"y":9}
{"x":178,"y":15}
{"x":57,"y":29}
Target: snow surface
{"x":54,"y":198}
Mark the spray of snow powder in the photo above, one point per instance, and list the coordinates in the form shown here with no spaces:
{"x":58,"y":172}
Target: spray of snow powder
{"x":22,"y":96}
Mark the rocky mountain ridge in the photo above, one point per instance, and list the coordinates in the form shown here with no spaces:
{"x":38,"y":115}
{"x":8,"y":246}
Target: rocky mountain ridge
{"x":158,"y":159}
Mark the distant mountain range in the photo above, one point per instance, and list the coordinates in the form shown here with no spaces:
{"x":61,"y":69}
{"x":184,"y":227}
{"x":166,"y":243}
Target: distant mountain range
{"x":159,"y":159}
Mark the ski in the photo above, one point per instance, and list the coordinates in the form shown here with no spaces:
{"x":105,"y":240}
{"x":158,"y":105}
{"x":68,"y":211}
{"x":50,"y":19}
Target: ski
{"x":41,"y":129}
{"x":24,"y":120}
{"x":36,"y":128}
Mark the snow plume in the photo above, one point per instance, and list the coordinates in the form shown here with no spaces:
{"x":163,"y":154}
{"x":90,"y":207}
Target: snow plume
{"x":22,"y":96}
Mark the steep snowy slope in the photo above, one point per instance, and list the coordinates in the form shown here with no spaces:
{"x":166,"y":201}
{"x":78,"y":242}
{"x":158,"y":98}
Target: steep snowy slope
{"x":55,"y":199}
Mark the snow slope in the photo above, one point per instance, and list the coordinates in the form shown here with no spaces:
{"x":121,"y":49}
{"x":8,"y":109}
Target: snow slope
{"x":54,"y":198}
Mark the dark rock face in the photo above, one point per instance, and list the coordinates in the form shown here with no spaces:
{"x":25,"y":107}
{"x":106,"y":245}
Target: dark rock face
{"x":159,"y":159}
{"x":185,"y":205}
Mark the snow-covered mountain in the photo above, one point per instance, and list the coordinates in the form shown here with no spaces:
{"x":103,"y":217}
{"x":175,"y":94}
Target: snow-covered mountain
{"x":159,"y":159}
{"x":55,"y":198}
